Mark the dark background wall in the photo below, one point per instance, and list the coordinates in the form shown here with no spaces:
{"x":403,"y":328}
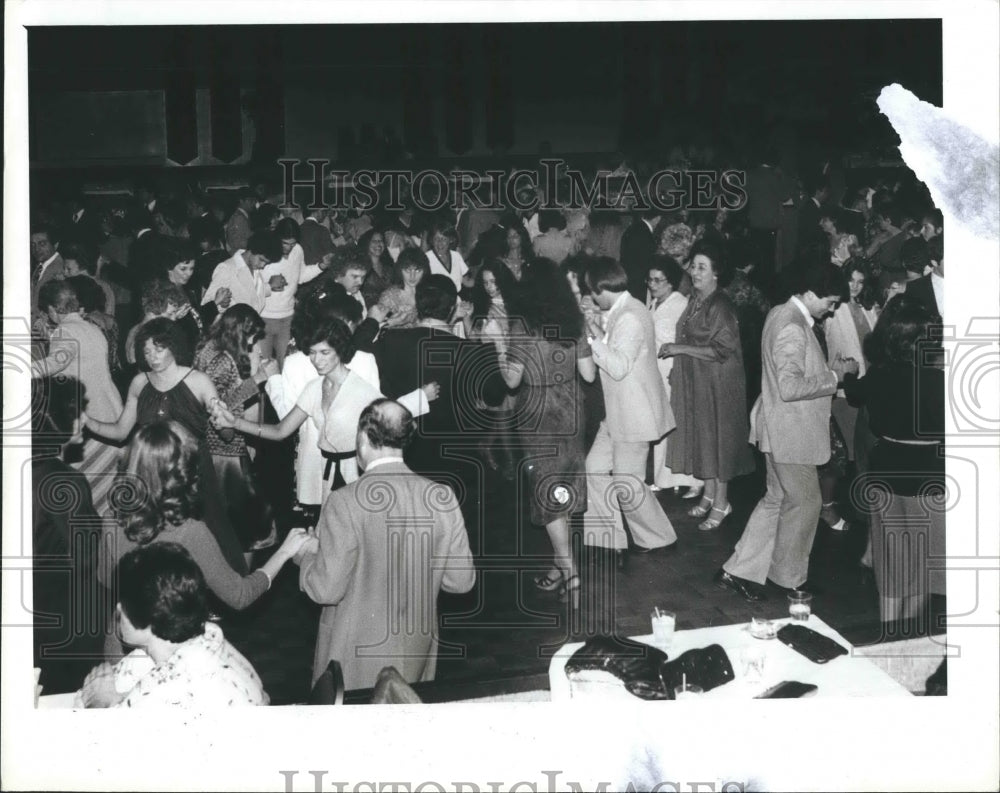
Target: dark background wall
{"x":218,"y":95}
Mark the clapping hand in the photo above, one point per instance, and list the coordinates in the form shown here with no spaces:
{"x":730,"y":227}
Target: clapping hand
{"x":432,"y":391}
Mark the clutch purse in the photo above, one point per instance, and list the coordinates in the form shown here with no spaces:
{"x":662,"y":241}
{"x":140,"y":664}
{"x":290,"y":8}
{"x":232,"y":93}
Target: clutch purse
{"x":708,"y":667}
{"x":635,"y":664}
{"x":646,"y":671}
{"x":815,"y":646}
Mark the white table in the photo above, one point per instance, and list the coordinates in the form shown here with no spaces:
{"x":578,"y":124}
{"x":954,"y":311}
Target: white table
{"x":64,"y":701}
{"x":846,"y":676}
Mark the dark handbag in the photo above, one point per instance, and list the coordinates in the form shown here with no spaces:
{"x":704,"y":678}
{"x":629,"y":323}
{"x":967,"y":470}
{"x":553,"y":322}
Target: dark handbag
{"x":635,"y":664}
{"x":815,"y":646}
{"x":707,"y":667}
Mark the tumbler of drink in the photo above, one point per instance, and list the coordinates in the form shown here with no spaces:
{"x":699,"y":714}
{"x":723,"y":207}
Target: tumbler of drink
{"x":687,"y":691}
{"x":799,"y":605}
{"x":664,"y":623}
{"x":753,"y":659}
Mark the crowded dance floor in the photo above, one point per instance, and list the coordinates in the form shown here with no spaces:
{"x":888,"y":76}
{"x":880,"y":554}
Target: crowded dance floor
{"x":470,"y":377}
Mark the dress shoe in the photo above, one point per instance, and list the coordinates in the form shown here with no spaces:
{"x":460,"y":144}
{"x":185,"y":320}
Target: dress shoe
{"x":745,"y":589}
{"x":663,"y":548}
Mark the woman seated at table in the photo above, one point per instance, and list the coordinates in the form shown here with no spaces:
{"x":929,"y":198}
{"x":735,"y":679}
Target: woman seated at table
{"x":158,"y":498}
{"x":180,"y":658}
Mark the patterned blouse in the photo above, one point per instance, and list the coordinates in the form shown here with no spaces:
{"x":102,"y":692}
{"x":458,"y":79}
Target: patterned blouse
{"x":232,"y":389}
{"x":204,"y":673}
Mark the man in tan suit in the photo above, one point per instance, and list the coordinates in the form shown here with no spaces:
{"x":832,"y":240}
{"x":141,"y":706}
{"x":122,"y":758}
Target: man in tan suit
{"x":790,"y":423}
{"x":637,"y":413}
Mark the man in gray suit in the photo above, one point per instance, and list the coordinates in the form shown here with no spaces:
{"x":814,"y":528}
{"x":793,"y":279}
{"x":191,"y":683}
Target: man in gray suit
{"x":637,"y":413}
{"x":790,"y":423}
{"x":386,"y":545}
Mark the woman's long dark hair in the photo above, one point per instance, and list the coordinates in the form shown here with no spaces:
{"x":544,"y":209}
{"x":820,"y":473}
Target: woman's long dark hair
{"x":158,"y":481}
{"x":235,"y":333}
{"x":480,"y":300}
{"x":543,"y":299}
{"x":385,"y":260}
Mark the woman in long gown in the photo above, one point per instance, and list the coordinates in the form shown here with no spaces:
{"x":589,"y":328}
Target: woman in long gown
{"x":550,"y":411}
{"x":708,"y":390}
{"x":667,"y":304}
{"x":166,"y":391}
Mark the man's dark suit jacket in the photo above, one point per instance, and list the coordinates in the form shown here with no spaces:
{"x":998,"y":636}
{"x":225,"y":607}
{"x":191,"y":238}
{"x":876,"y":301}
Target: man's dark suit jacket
{"x":467,"y":372}
{"x":921,"y":291}
{"x":637,"y":249}
{"x":812,"y":244}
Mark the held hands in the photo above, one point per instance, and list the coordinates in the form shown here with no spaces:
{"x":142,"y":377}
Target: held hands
{"x":277,"y":283}
{"x":432,"y":391}
{"x":99,"y":688}
{"x":842,"y":366}
{"x":309,"y":546}
{"x":223,"y":297}
{"x":294,"y":542}
{"x":220,"y":416}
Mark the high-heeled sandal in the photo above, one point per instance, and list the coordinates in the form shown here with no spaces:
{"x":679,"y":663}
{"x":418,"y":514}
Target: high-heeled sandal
{"x":701,"y":510}
{"x":714,"y":523}
{"x":546,"y":583}
{"x":569,"y":592}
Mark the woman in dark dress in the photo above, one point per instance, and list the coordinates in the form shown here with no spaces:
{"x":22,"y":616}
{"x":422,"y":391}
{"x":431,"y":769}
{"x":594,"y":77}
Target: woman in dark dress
{"x":167,"y":391}
{"x":550,"y":410}
{"x":708,"y":389}
{"x":904,"y":489}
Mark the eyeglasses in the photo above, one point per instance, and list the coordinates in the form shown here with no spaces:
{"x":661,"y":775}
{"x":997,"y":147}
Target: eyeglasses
{"x":655,"y":281}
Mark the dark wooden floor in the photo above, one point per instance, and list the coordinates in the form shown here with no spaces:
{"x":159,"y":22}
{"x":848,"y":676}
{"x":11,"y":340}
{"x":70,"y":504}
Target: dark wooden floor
{"x":505,"y":626}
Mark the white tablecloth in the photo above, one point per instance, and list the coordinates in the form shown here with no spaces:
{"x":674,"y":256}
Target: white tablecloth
{"x":846,"y":676}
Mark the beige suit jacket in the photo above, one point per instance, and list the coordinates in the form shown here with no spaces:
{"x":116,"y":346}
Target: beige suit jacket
{"x":636,"y":404}
{"x":791,"y":418}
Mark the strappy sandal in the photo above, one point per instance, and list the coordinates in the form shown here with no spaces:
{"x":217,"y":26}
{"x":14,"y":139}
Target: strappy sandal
{"x":546,"y":583}
{"x":714,"y":523}
{"x":569,"y":592}
{"x":701,"y":510}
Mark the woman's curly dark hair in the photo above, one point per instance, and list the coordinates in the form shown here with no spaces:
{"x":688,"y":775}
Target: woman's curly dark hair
{"x":235,"y":333}
{"x":543,"y":298}
{"x":158,"y":481}
{"x":504,"y":280}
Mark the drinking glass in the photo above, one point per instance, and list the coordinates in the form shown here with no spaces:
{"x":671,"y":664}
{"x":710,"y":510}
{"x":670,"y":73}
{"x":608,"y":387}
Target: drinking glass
{"x":799,"y":605}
